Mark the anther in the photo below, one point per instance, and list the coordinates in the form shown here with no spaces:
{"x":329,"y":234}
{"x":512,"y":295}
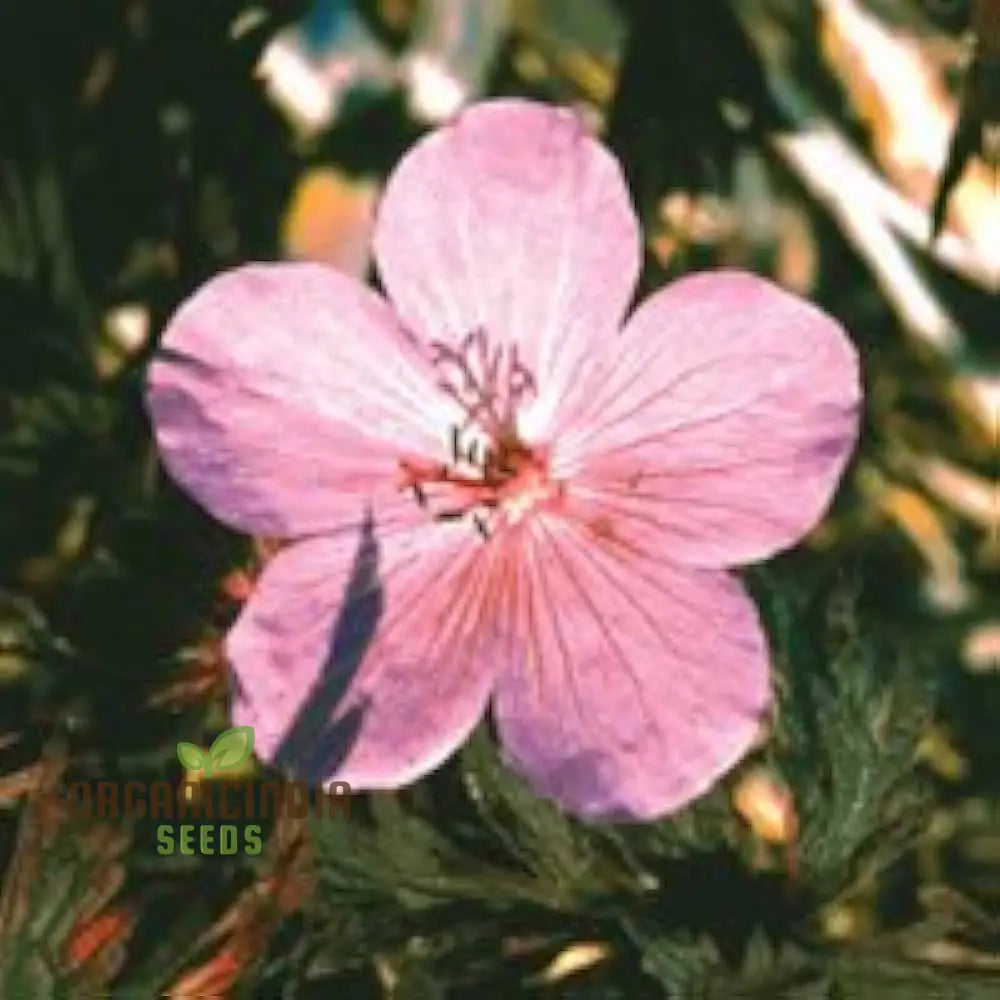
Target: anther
{"x":473,"y":455}
{"x":487,"y":468}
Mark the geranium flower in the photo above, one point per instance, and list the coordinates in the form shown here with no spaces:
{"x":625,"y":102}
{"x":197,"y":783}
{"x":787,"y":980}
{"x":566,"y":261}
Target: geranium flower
{"x":493,"y":492}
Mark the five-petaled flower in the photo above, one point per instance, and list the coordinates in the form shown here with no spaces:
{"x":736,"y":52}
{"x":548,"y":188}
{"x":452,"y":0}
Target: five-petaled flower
{"x":499,"y":490}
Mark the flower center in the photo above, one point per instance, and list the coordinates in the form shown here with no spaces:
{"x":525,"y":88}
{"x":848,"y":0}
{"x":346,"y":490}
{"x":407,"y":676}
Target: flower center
{"x":492,"y":475}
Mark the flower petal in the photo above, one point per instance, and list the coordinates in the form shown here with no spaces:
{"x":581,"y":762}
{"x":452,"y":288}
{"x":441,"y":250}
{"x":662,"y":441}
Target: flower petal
{"x":514,"y":220}
{"x":643,"y":683}
{"x":722,"y":420}
{"x":365,"y":657}
{"x":283,"y":391}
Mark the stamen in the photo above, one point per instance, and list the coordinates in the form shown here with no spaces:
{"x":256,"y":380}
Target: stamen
{"x":484,"y":479}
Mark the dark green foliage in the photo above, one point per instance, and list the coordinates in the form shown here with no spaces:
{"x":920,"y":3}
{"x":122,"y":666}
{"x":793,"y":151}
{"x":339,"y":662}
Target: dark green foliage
{"x":853,"y":706}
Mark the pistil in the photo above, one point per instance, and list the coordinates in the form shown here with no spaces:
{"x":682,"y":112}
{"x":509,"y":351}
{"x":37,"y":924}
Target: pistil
{"x":491,"y":475}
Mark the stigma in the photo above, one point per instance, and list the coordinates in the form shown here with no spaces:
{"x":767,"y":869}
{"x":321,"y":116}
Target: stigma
{"x":491,"y":477}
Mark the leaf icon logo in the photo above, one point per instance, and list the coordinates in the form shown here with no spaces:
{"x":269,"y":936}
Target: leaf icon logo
{"x":192,"y":758}
{"x":231,"y":748}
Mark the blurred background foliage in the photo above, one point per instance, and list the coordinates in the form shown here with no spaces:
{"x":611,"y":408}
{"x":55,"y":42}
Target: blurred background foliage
{"x":144,"y":145}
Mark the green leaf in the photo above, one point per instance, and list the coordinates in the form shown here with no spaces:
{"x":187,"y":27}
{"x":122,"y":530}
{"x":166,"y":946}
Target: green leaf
{"x":191,"y":757}
{"x":231,"y":748}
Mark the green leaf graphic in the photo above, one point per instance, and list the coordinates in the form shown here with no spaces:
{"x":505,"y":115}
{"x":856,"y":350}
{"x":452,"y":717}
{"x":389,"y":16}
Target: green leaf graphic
{"x":231,"y":748}
{"x":192,"y":758}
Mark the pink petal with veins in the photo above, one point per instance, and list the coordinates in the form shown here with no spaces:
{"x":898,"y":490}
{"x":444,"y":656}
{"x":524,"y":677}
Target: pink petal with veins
{"x":513,"y":219}
{"x":285,"y":392}
{"x":717,"y":427}
{"x":641,"y":682}
{"x":367,"y":656}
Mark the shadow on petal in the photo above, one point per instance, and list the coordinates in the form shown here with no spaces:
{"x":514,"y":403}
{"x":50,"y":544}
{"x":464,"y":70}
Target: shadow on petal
{"x":317,"y":742}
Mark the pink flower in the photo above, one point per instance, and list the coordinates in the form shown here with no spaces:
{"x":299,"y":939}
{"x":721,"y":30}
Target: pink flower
{"x":494,"y":493}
